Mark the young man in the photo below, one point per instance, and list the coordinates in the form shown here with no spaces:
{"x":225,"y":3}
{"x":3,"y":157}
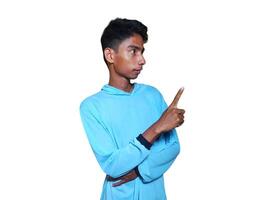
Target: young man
{"x":129,"y":126}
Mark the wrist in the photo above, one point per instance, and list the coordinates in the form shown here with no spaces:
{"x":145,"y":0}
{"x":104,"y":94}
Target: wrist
{"x":152,"y":133}
{"x":136,"y":170}
{"x":144,"y":141}
{"x":156,"y":128}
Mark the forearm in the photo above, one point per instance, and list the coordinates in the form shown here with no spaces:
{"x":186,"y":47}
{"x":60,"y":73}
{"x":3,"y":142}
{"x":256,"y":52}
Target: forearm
{"x":152,"y":133}
{"x":154,"y":166}
{"x":161,"y":157}
{"x":118,"y":162}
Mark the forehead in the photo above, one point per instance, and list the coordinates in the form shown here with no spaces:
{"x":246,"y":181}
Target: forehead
{"x":135,"y":40}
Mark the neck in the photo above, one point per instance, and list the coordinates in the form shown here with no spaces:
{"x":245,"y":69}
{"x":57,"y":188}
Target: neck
{"x":122,"y":84}
{"x":119,"y":81}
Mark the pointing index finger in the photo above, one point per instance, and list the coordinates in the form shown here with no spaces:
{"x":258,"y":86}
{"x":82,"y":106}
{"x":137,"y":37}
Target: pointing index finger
{"x":177,"y":97}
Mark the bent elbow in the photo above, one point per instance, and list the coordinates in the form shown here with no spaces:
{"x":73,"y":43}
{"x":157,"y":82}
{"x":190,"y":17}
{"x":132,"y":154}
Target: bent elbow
{"x":112,"y":173}
{"x":112,"y":167}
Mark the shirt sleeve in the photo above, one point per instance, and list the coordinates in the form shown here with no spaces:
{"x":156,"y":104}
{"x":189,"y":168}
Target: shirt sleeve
{"x":163,"y":153}
{"x":160,"y":159}
{"x":114,"y":161}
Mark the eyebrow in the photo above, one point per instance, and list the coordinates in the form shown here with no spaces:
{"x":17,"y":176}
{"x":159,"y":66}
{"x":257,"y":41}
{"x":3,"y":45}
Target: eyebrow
{"x":136,"y":47}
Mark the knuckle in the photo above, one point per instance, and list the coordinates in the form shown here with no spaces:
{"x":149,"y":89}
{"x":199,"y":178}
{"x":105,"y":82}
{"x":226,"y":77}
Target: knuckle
{"x":181,"y":110}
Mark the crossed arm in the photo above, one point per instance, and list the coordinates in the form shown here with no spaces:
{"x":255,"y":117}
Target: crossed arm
{"x":137,"y":159}
{"x":156,"y":164}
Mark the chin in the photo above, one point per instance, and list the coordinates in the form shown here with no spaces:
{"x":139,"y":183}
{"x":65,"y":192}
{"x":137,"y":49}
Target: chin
{"x":134,"y":77}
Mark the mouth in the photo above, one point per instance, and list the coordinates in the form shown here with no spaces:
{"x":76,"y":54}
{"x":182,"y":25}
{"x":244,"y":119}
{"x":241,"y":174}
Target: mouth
{"x":137,"y":71}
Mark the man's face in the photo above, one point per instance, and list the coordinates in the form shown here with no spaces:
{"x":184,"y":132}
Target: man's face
{"x":128,"y":60}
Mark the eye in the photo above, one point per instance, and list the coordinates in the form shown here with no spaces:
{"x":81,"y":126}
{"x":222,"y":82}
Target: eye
{"x":133,"y":51}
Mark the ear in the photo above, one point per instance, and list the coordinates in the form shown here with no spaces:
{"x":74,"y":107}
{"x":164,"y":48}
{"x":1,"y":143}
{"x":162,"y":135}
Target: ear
{"x":109,"y":55}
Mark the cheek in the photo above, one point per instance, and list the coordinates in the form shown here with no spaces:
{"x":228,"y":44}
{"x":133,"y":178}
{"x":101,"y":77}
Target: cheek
{"x":126,"y":62}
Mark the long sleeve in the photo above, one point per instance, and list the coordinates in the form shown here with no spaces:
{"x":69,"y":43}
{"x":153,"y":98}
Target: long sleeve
{"x":163,"y":153}
{"x":113,"y":160}
{"x":160,"y":160}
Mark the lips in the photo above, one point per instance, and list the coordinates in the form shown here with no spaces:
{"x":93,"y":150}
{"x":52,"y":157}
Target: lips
{"x":138,"y":69}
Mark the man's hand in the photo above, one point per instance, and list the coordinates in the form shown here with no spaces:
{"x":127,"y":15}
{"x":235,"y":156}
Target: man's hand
{"x":123,"y":179}
{"x":173,"y":116}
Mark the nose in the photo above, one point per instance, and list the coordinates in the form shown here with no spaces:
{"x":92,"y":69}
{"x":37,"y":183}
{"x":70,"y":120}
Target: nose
{"x":142,"y":60}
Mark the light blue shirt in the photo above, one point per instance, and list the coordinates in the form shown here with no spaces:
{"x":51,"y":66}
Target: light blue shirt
{"x":112,"y":119}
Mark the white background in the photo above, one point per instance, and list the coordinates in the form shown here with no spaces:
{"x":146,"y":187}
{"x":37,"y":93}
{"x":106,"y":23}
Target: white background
{"x":51,"y":59}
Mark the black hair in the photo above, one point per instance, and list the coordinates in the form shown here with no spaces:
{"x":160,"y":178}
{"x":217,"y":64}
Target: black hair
{"x":120,"y":29}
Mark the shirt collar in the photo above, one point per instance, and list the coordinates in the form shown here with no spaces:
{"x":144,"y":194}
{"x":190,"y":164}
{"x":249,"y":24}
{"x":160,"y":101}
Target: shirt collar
{"x":116,"y":91}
